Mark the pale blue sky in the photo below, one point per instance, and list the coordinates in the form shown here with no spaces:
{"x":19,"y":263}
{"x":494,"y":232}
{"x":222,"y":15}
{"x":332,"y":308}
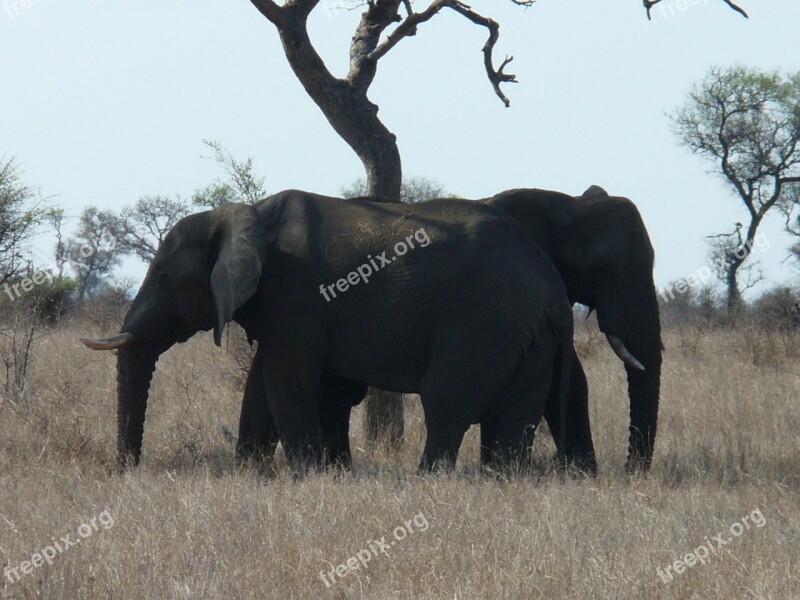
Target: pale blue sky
{"x":105,"y":101}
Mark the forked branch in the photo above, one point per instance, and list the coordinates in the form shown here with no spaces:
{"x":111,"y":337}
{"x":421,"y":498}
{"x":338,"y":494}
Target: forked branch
{"x":408,"y":27}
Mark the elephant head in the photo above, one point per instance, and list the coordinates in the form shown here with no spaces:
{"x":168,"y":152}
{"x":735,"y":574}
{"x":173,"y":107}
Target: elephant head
{"x":207,"y":267}
{"x":600,"y":246}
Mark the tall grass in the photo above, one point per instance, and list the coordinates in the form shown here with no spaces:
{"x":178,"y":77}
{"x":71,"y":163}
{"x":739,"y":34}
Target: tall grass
{"x":188,"y":524}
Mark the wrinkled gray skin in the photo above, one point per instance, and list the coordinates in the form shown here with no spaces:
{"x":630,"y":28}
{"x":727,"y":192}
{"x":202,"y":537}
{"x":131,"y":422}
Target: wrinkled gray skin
{"x":600,"y":246}
{"x":472,"y":321}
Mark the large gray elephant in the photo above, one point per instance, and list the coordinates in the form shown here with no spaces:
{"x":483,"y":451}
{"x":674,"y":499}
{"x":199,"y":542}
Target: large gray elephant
{"x":600,"y":246}
{"x":451,"y":299}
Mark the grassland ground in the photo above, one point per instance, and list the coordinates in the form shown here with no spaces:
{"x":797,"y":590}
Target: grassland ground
{"x":188,"y":524}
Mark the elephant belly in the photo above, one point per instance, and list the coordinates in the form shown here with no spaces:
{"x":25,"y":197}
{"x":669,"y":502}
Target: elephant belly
{"x":381,"y":358}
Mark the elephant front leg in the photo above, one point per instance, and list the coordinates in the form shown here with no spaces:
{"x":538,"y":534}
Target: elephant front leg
{"x":507,"y":437}
{"x":258,"y":436}
{"x":574,"y":443}
{"x":339,"y":396}
{"x":441,"y":448}
{"x":336,"y":433}
{"x":297,"y":418}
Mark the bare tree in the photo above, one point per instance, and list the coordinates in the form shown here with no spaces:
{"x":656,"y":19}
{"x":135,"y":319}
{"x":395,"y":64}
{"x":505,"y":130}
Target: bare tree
{"x":142,"y":227}
{"x":56,"y":219}
{"x":92,"y":253}
{"x":345,"y":103}
{"x":747,"y":122}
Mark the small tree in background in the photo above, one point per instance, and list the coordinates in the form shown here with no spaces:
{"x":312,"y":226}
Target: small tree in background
{"x":747,"y":122}
{"x":20,"y":214}
{"x":777,"y":309}
{"x":141,"y":228}
{"x":241,"y":185}
{"x":92,"y":252}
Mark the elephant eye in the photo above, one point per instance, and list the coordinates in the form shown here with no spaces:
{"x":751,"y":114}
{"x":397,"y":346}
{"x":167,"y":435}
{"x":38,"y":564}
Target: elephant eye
{"x":163,"y":280}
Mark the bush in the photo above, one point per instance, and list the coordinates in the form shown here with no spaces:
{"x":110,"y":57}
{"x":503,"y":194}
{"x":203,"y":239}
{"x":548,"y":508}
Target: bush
{"x":778,"y":309}
{"x":48,"y":301}
{"x":695,"y":307}
{"x":107,"y":306}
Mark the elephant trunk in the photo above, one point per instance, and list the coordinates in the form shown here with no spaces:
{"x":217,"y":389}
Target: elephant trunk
{"x":135,"y":366}
{"x":643,"y":340}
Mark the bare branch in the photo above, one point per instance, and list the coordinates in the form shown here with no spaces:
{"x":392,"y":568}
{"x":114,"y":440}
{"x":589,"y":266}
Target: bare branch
{"x":736,"y":8}
{"x":496,"y":77}
{"x":649,"y":4}
{"x":409,"y":27}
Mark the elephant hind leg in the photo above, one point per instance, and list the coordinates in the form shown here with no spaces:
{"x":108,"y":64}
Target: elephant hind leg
{"x":507,"y":436}
{"x":574,"y":443}
{"x":457,"y":388}
{"x":335,"y":420}
{"x":338,"y":397}
{"x":449,"y":399}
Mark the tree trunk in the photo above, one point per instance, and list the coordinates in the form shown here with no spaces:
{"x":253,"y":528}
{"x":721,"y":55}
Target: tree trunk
{"x":383,"y":411}
{"x":733,"y":295}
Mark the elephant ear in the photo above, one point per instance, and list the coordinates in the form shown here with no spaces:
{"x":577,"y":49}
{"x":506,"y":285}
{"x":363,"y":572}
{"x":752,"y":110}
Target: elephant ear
{"x":241,"y":250}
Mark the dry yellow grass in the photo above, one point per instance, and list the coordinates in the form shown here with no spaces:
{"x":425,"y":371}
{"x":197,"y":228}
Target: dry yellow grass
{"x":187,"y":524}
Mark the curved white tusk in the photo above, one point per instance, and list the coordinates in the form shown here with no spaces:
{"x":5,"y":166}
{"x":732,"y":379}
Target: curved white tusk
{"x":623,"y":353}
{"x":123,"y":340}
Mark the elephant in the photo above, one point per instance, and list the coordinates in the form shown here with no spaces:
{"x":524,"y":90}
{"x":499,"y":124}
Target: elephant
{"x":600,"y":246}
{"x":468,"y":312}
{"x":601,"y":249}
